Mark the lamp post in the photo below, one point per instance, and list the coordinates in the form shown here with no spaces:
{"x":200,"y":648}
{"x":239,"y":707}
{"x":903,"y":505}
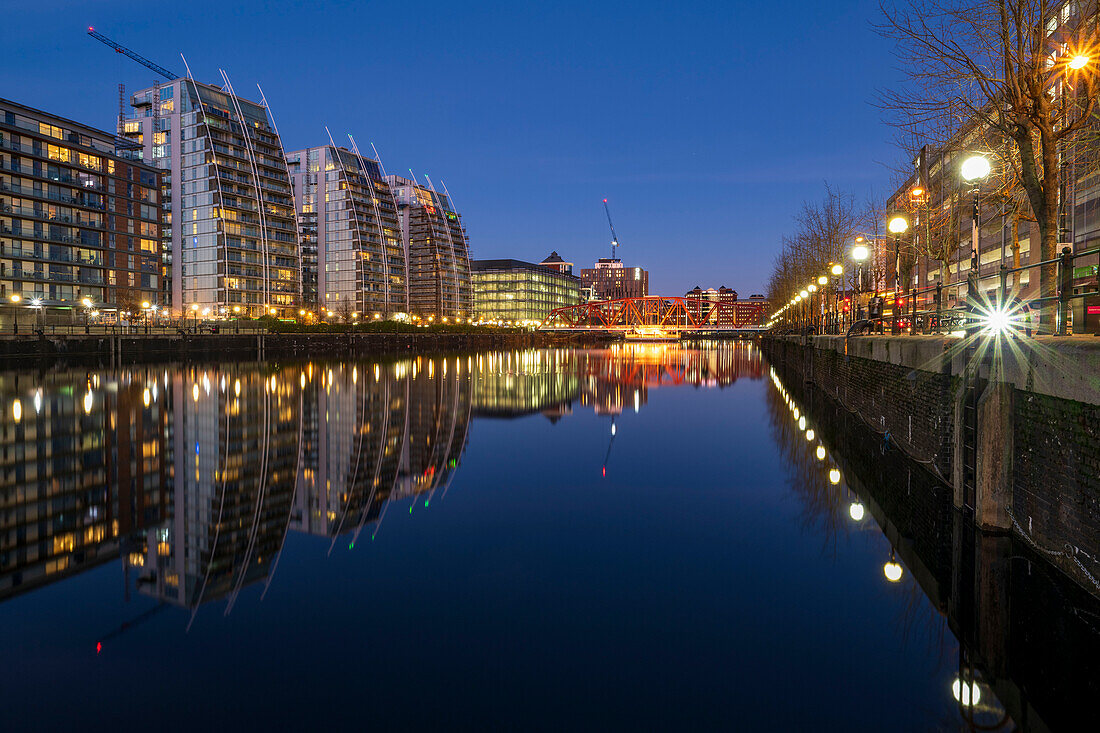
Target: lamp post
{"x":195,"y":315}
{"x":974,"y":169}
{"x":897,"y":225}
{"x":860,"y":252}
{"x":15,"y":298}
{"x":36,"y":303}
{"x":145,"y":314}
{"x":837,"y":272}
{"x":87,"y":303}
{"x":237,"y":318}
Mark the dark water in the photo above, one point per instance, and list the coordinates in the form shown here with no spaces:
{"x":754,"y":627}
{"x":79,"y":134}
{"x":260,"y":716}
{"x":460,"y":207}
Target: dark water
{"x":642,"y":537}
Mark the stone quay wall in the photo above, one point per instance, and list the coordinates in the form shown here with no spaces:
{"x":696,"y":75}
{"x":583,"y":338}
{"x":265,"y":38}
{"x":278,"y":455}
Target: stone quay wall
{"x":1038,"y":422}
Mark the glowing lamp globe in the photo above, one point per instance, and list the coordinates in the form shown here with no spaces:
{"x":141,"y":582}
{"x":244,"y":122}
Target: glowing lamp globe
{"x":812,"y":288}
{"x":804,"y":294}
{"x":898,"y":225}
{"x":892,"y":571}
{"x":975,"y":167}
{"x":837,"y":270}
{"x":802,"y":423}
{"x":860,"y":253}
{"x":1078,"y":62}
{"x":810,"y":434}
{"x":821,"y":453}
{"x":822,"y":280}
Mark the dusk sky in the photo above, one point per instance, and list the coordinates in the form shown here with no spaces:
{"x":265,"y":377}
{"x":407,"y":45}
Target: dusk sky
{"x":704,"y":124}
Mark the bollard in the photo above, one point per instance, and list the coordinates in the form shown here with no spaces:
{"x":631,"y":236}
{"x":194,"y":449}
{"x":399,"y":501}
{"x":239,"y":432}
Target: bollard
{"x":1065,"y":285}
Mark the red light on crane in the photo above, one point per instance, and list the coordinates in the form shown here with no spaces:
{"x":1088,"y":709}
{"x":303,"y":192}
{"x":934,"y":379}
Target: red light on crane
{"x":98,"y":647}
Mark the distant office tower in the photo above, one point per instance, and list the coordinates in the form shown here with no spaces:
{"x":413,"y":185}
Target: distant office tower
{"x":353,"y":260}
{"x":436,"y":249}
{"x":232,"y":243}
{"x":610,"y":280}
{"x":79,"y":221}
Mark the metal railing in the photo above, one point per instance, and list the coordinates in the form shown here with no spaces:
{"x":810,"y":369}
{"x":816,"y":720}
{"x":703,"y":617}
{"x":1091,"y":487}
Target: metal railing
{"x":940,"y":308}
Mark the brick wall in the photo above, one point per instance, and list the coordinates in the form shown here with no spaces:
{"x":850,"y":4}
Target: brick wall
{"x":1056,"y":472}
{"x":914,"y":405}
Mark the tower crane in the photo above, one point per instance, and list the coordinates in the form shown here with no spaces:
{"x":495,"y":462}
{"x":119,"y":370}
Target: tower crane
{"x":614,"y":239}
{"x":119,"y":48}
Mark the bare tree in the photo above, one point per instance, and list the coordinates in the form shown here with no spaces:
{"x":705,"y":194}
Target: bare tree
{"x":1020,"y":74}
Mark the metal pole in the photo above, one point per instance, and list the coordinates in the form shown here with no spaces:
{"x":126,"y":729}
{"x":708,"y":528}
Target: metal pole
{"x":1065,"y":286}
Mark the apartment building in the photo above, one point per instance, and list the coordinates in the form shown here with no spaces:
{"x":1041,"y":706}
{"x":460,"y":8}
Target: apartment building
{"x":230,"y":245}
{"x":79,"y":221}
{"x":353,"y":258}
{"x":437,"y":252}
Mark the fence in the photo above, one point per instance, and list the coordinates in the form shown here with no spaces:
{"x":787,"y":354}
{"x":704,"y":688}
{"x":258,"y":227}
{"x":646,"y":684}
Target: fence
{"x":924,"y":310}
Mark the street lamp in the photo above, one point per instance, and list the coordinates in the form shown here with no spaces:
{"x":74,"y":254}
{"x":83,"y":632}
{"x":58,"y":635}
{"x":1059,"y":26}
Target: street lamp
{"x":36,"y":303}
{"x":897,"y":225}
{"x":860,"y":253}
{"x":15,"y":298}
{"x":973,"y":170}
{"x":87,"y":303}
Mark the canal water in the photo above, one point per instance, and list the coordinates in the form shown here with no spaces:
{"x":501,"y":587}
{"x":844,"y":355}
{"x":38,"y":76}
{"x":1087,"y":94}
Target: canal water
{"x":642,"y":536}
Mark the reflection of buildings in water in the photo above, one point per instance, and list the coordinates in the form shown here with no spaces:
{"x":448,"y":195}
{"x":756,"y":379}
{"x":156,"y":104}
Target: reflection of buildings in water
{"x":392,"y":431}
{"x":609,"y":380}
{"x":83,"y":466}
{"x":516,"y":383}
{"x":237,"y":447}
{"x":194,"y":476}
{"x":1025,"y":631}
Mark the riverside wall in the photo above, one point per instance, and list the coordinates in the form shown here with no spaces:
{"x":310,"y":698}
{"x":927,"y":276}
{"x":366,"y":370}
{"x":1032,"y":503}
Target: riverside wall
{"x":1038,"y":421}
{"x":119,"y":349}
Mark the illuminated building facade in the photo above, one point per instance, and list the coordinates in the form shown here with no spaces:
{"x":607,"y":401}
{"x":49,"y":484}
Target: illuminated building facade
{"x":231,"y":240}
{"x":78,"y":220}
{"x":353,"y":259}
{"x":436,"y":249}
{"x":520,"y":292}
{"x":721,"y":307}
{"x":609,"y":280}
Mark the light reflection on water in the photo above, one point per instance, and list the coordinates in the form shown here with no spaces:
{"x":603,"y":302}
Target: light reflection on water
{"x":234,"y":500}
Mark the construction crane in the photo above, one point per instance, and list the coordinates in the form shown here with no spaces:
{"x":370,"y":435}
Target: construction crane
{"x":160,"y":70}
{"x":614,"y":239}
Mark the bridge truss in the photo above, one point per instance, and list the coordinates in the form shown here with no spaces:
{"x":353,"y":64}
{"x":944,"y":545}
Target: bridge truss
{"x":651,"y":315}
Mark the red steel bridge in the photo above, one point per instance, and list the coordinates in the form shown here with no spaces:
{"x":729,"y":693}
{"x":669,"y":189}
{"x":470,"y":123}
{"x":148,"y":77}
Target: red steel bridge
{"x":655,"y":316}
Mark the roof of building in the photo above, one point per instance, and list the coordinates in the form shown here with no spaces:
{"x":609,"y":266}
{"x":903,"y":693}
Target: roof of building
{"x":554,"y":259}
{"x":509,"y":264}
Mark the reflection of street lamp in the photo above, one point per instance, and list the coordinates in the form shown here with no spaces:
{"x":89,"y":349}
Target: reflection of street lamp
{"x":892,"y":570}
{"x":855,"y":511}
{"x":834,"y":476}
{"x":966,"y":693}
{"x":36,"y":303}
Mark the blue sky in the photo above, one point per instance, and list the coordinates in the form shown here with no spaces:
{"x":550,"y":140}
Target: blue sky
{"x":705,"y":124}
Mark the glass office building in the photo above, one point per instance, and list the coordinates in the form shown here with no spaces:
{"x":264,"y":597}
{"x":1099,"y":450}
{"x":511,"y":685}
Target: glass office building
{"x":520,"y":292}
{"x":353,"y":260}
